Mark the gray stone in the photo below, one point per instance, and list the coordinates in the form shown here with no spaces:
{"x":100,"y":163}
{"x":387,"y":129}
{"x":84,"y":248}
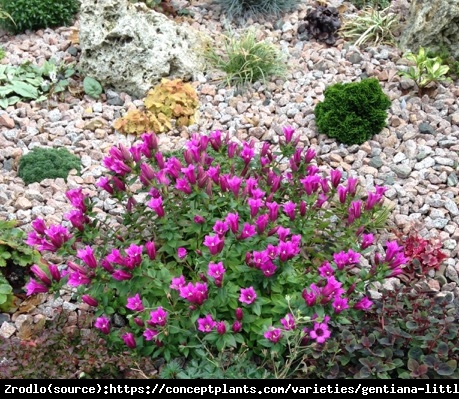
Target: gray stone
{"x":425,"y":128}
{"x":432,"y":24}
{"x":376,"y":162}
{"x":402,"y":171}
{"x":130,"y":47}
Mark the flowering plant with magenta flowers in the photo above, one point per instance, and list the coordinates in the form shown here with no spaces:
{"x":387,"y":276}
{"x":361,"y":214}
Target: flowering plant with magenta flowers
{"x":227,"y":245}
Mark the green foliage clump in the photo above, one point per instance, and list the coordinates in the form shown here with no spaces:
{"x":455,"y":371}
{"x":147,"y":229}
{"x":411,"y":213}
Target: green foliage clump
{"x":246,"y":59}
{"x":28,"y":82}
{"x":37,"y":14}
{"x":253,"y":8}
{"x":66,"y":351}
{"x":15,"y":257}
{"x":47,"y":163}
{"x":352,"y":112}
{"x":171,"y":100}
{"x":411,"y":334}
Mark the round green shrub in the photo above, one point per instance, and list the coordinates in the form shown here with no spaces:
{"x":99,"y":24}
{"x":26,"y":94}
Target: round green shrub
{"x":47,"y":163}
{"x":38,"y":14}
{"x":352,"y":112}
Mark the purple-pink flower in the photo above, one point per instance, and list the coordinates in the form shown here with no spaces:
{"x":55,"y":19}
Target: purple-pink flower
{"x":248,"y":295}
{"x":103,"y":324}
{"x":158,"y":317}
{"x":135,"y":303}
{"x":34,"y":287}
{"x":288,"y":322}
{"x":181,"y":252}
{"x":87,"y":256}
{"x":273,"y":334}
{"x":320,"y":332}
{"x":129,"y":340}
{"x":177,"y":283}
{"x":206,"y":324}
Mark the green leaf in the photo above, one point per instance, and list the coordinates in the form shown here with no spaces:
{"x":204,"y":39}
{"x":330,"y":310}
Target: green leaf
{"x":447,"y":368}
{"x":23,"y":89}
{"x":92,"y":87}
{"x":4,"y":103}
{"x":5,"y":289}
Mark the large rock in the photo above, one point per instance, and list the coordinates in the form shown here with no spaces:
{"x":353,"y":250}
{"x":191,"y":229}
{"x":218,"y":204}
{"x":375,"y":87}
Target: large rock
{"x":129,"y":47}
{"x":434,"y":25}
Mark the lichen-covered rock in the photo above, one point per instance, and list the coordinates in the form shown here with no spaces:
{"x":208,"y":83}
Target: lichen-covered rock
{"x":434,"y":25}
{"x":130,"y":48}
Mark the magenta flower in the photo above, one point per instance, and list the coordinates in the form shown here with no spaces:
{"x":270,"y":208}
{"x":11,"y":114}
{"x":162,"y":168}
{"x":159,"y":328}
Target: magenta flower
{"x":90,"y":300}
{"x":87,"y":256}
{"x":199,"y":219}
{"x":147,"y":174}
{"x":77,"y":218}
{"x":392,"y":248}
{"x":248,"y":231}
{"x":134,"y":255}
{"x":221,"y":327}
{"x":206,"y":324}
{"x":268,"y":268}
{"x":214,"y":243}
{"x":183,"y":185}
{"x":41,"y":275}
{"x":311,"y":183}
{"x":352,"y":186}
{"x":237,"y":325}
{"x":121,"y":275}
{"x":57,"y":235}
{"x":363,"y":304}
{"x":289,"y":209}
{"x":220,"y":227}
{"x":115,"y":257}
{"x":129,"y":340}
{"x":288,"y":133}
{"x":181,"y":252}
{"x":326,"y":270}
{"x":309,"y":155}
{"x":34,"y":287}
{"x":195,"y":294}
{"x":39,"y":226}
{"x":216,"y":270}
{"x":150,"y":334}
{"x":335,"y":177}
{"x":151,"y":249}
{"x":355,"y":211}
{"x":247,"y":153}
{"x":255,"y":205}
{"x":234,"y":184}
{"x":76,"y":279}
{"x":340,"y":304}
{"x":77,"y":198}
{"x":104,"y":183}
{"x":103,"y":324}
{"x":248,"y":295}
{"x":135,"y":303}
{"x":177,"y":283}
{"x":273,"y":208}
{"x":157,"y":205}
{"x":233,"y":221}
{"x":54,"y":271}
{"x":288,"y":322}
{"x":239,"y":314}
{"x":342,"y":194}
{"x":320,"y":332}
{"x":158,"y":317}
{"x":367,"y":240}
{"x":273,"y":334}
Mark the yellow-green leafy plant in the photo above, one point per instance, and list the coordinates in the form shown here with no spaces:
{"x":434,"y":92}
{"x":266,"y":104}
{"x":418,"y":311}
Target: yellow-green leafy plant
{"x":371,"y":26}
{"x":426,"y":69}
{"x":172,"y":102}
